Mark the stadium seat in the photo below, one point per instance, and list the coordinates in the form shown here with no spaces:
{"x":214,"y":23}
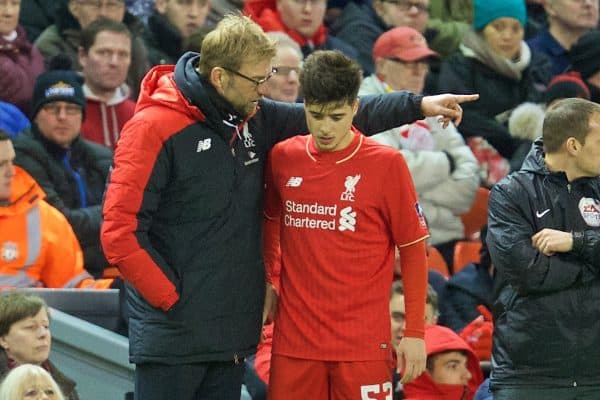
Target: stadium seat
{"x":476,"y":217}
{"x":436,"y":261}
{"x":465,"y":252}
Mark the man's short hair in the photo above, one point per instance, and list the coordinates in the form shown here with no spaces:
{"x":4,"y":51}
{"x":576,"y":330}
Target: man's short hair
{"x":101,"y":24}
{"x":15,"y":306}
{"x":282,"y":39}
{"x":567,"y":118}
{"x":432,"y":297}
{"x":330,"y":77}
{"x":234,"y":41}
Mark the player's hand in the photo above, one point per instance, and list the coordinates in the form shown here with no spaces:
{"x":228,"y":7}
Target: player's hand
{"x":411,"y":358}
{"x":270,"y":306}
{"x":550,"y":241}
{"x":446,"y":105}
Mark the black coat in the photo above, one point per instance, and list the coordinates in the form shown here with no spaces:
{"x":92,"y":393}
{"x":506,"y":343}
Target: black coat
{"x":546,"y":313}
{"x":43,"y":160}
{"x":497,"y":94}
{"x":464,"y":291}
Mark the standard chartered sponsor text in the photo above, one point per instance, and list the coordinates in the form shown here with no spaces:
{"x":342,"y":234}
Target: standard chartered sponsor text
{"x":308,"y":222}
{"x":312,"y":208}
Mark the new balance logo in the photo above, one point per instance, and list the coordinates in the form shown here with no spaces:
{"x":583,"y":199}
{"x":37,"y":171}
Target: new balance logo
{"x":203,"y":145}
{"x":347,"y":219}
{"x":294,"y":181}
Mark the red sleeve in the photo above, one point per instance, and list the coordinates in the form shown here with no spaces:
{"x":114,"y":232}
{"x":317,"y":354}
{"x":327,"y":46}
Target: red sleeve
{"x":414,"y":278}
{"x":271,"y":229}
{"x":124,"y":234}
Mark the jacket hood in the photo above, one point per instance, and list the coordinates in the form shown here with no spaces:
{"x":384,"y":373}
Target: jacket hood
{"x":438,"y":339}
{"x":534,"y":161}
{"x":159,"y":88}
{"x":121,"y":94}
{"x":25,"y":193}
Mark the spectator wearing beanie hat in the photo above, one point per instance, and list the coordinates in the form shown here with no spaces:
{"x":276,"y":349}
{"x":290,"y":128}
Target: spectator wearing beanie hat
{"x":568,"y":21}
{"x":71,"y":170}
{"x":55,"y":86}
{"x":585,"y":56}
{"x":495,"y":62}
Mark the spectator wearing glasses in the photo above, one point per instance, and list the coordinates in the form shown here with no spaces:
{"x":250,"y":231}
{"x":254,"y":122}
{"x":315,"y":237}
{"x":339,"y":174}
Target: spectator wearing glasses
{"x":169,"y":27}
{"x":302,"y":20}
{"x":70,"y":170}
{"x":64,"y":36}
{"x":361,"y":24}
{"x":183,"y":208}
{"x":285,"y":83}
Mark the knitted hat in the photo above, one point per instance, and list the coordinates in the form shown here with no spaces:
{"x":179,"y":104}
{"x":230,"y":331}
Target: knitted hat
{"x":403,"y":43}
{"x":566,"y":85}
{"x":585,"y":54}
{"x":58,"y":84}
{"x":486,"y":11}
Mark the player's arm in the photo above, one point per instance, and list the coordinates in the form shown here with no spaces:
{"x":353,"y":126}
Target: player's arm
{"x":271,"y":239}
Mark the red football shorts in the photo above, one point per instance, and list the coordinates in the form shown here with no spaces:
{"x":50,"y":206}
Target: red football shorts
{"x":300,"y":379}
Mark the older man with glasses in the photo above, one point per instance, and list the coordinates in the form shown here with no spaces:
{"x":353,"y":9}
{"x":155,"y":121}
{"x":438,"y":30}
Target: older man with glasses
{"x":71,"y":170}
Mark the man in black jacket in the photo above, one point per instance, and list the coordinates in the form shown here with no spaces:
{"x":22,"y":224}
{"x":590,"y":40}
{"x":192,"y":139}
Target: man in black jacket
{"x":544,"y":240}
{"x":71,"y":170}
{"x":183,"y":209}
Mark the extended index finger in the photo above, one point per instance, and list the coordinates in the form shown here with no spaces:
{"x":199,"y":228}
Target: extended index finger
{"x":465,"y":98}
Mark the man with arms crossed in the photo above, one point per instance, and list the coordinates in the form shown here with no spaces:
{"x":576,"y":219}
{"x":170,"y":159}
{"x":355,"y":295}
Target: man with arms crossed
{"x":544,"y":240}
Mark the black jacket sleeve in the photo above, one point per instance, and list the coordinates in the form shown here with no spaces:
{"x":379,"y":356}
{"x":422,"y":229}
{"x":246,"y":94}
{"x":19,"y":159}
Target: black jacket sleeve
{"x":509,"y":241}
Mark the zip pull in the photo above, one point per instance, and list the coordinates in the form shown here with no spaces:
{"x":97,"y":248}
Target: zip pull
{"x":569,"y":188}
{"x":236,"y":359}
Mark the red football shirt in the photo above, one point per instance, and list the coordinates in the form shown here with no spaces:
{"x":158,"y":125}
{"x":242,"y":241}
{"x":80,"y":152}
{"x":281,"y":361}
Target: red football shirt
{"x":341,"y":213}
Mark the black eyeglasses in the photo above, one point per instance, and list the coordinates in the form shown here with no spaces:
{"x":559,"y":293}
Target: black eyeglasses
{"x":404,"y":5}
{"x":257,"y":82}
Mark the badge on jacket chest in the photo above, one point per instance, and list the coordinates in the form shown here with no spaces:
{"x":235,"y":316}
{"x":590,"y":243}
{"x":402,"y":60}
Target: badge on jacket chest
{"x":590,"y":211}
{"x":9,"y":251}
